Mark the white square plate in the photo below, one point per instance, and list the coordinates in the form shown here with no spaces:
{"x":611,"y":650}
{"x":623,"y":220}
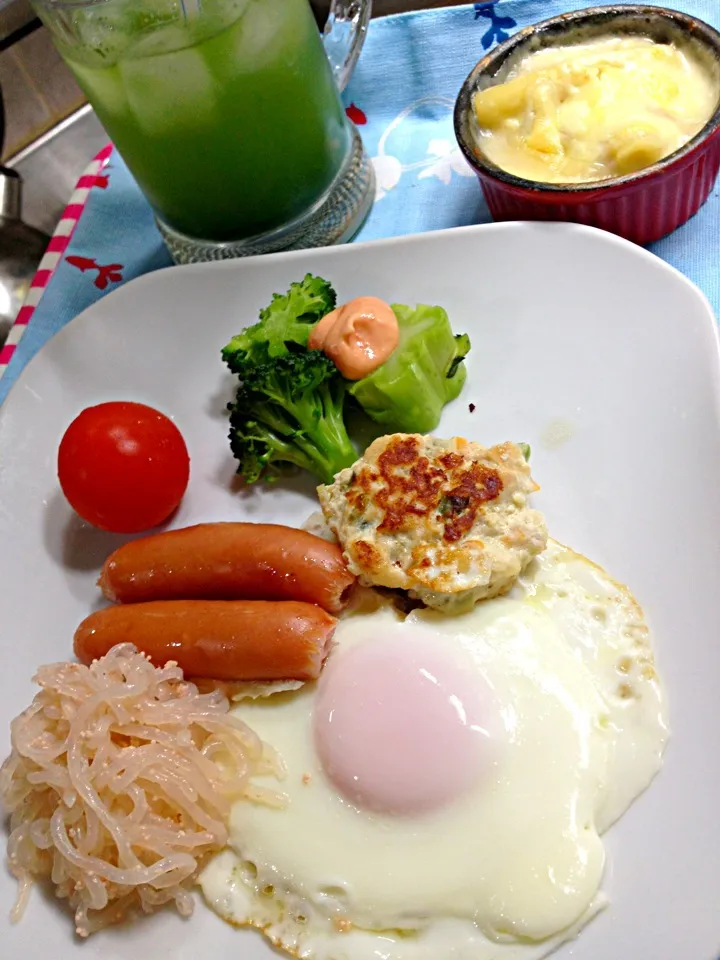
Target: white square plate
{"x":595,"y":352}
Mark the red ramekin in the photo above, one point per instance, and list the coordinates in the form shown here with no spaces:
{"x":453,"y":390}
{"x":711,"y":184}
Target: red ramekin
{"x":642,"y":206}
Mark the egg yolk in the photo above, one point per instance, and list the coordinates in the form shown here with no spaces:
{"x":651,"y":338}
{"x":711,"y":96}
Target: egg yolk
{"x":401,"y":726}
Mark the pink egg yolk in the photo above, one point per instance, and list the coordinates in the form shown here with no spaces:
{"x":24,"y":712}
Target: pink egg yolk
{"x":401,"y":725}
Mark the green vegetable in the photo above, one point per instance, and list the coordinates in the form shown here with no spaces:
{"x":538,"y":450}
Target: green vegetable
{"x":290,"y":410}
{"x":289,"y":406}
{"x":287,"y":321}
{"x":407,"y":393}
{"x":525,"y":450}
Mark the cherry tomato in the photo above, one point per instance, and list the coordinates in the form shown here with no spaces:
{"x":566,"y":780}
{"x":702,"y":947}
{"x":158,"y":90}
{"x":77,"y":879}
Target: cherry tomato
{"x":123,"y":467}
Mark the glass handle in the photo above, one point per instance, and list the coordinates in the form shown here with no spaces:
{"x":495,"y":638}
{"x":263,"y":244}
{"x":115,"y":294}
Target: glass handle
{"x":344,"y":36}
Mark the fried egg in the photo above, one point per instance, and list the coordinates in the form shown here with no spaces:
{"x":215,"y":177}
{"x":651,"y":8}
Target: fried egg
{"x":449,"y":779}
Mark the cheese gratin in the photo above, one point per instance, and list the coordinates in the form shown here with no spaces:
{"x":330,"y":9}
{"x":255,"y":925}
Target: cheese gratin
{"x":590,"y":111}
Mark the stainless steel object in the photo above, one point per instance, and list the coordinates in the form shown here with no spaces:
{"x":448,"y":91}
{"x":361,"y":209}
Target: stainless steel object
{"x":51,"y":166}
{"x":21,"y":249}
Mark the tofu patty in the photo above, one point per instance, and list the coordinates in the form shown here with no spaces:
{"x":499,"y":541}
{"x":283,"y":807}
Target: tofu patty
{"x":446,"y":520}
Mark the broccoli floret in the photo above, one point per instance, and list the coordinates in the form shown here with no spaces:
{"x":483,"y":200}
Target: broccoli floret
{"x":290,"y":410}
{"x":284,"y":324}
{"x":289,"y":406}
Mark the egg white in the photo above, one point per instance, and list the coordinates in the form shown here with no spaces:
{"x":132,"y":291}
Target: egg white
{"x":514,"y":866}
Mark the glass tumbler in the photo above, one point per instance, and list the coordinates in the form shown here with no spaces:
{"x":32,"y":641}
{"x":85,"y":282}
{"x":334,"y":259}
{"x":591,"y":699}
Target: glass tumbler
{"x":228,"y":114}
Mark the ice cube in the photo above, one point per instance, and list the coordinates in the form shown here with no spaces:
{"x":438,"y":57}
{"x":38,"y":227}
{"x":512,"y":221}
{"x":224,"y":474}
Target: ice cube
{"x":161,"y":39}
{"x":261,"y":33}
{"x":171,"y":91}
{"x":103,"y":87}
{"x":104,"y":33}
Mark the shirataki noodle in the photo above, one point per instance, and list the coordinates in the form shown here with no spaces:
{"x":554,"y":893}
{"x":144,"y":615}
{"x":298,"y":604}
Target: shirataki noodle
{"x":120,"y":783}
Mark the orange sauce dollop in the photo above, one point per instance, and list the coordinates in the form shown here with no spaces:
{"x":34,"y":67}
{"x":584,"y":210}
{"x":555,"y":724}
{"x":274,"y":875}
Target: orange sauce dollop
{"x":358,"y":336}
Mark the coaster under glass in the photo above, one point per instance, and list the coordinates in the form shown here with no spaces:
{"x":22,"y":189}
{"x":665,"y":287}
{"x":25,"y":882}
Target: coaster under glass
{"x":335,"y":218}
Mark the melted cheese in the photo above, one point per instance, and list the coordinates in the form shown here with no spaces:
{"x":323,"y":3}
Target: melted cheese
{"x":592,"y":111}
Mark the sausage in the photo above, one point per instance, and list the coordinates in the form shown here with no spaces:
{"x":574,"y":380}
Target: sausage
{"x":229,"y":561}
{"x":217,"y":639}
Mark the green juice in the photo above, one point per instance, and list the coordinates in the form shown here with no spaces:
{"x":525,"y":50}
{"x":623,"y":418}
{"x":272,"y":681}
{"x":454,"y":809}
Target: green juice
{"x":229,"y":119}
